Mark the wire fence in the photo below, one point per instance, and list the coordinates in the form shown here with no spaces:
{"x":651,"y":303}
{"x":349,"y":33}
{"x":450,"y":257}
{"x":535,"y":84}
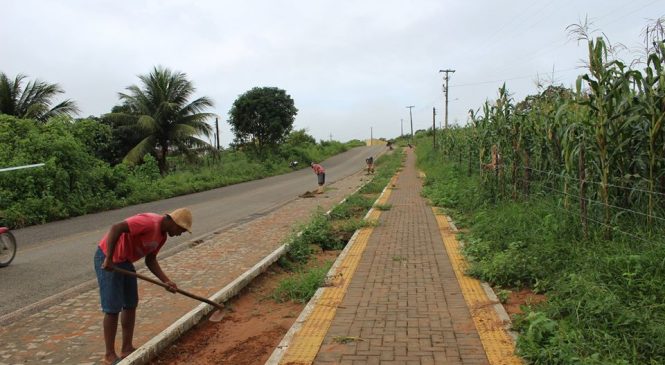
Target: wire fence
{"x":549,"y":173}
{"x":593,"y":201}
{"x":612,"y":228}
{"x":538,"y":183}
{"x":505,"y":167}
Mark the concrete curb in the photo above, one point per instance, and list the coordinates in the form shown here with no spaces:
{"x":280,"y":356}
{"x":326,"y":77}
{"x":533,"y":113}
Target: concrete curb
{"x":152,"y":348}
{"x":283,"y":346}
{"x":498,"y":307}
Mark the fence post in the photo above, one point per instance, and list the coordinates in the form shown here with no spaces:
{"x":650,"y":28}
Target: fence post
{"x":526,"y":173}
{"x":583,"y":206}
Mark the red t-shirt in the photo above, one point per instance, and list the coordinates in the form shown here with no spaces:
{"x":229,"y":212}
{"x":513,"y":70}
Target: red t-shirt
{"x":144,"y":237}
{"x":318,"y":169}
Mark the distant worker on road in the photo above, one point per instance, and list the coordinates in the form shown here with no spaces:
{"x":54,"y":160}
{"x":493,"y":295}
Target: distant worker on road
{"x":138,"y":236}
{"x":293,"y":165}
{"x":321,"y":176}
{"x":370,"y":164}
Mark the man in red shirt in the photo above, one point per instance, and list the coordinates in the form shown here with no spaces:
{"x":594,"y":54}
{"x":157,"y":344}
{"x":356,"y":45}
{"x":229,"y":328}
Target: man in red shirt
{"x":321,"y":176}
{"x":138,"y":236}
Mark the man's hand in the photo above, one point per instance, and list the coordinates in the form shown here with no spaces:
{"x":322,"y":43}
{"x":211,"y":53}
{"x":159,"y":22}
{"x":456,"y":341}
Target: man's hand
{"x":107,"y":264}
{"x":172,"y":286}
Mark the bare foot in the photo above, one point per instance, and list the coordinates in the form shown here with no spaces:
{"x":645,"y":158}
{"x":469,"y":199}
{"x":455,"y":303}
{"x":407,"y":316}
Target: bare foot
{"x":110,"y":360}
{"x":126,"y":353}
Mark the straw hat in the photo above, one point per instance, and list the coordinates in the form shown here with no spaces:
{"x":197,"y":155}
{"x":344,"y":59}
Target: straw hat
{"x":183,"y":218}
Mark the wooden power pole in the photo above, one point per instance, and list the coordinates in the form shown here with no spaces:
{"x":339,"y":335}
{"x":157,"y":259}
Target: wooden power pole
{"x":445,"y":92}
{"x":434,"y":127}
{"x":217,"y":131}
{"x":411,"y":118}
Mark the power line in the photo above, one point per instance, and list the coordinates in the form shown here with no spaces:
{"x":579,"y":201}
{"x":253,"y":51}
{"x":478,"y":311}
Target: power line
{"x":494,"y":42}
{"x":508,"y":79}
{"x":624,"y":15}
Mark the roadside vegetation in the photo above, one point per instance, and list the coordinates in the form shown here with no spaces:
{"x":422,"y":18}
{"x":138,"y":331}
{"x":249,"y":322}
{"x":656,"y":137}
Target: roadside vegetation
{"x":330,"y":232}
{"x":152,"y":145}
{"x":564,"y":193}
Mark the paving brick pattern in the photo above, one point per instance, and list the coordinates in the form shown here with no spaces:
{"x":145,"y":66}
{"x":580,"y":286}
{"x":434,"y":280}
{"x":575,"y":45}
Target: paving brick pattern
{"x":70,"y":332}
{"x":404,"y":304}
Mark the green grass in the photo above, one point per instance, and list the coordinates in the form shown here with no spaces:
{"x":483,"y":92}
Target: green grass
{"x":301,"y":286}
{"x":605,"y":298}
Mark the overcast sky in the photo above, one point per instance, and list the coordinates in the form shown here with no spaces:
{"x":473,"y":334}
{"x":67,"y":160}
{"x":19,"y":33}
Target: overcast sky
{"x":351,"y":66}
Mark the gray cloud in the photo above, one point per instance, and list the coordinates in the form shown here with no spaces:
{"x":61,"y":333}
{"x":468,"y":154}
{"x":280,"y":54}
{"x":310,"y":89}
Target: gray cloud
{"x":348,"y":65}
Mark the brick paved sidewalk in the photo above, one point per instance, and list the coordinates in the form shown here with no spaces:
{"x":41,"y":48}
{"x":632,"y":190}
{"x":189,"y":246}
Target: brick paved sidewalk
{"x":70,"y":332}
{"x":404,"y":304}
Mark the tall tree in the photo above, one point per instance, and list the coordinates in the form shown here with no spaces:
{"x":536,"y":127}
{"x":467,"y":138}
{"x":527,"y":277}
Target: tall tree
{"x":161,"y":110}
{"x":32,"y":100}
{"x":262,"y":117}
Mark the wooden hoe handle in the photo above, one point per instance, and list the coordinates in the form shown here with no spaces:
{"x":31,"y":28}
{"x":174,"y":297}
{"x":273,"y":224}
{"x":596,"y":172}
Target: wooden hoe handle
{"x":156,"y":282}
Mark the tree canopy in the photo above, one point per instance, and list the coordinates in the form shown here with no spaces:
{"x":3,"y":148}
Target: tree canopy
{"x":165,"y":118}
{"x":262,"y":117}
{"x":32,"y":100}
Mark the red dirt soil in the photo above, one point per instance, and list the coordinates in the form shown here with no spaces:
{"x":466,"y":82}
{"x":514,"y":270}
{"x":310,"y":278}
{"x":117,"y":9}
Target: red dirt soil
{"x":249,"y":333}
{"x":516,"y":299}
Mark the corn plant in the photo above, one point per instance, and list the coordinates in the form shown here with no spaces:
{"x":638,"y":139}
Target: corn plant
{"x":652,"y":87}
{"x":608,"y":98}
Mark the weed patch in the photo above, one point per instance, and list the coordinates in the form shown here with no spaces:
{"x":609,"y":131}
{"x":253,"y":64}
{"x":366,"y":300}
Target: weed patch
{"x":301,"y":286}
{"x":604,"y":297}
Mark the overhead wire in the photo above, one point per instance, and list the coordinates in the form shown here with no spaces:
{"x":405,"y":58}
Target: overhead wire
{"x":542,"y":50}
{"x":488,"y":49}
{"x":624,"y":15}
{"x":496,"y":33}
{"x":507,"y":79}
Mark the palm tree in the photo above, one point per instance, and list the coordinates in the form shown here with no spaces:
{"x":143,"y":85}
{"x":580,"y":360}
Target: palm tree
{"x":168,"y":121}
{"x":32,"y":101}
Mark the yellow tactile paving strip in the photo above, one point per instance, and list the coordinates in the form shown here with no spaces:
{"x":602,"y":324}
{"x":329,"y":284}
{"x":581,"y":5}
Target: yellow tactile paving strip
{"x":307,"y":342}
{"x":498,"y":345}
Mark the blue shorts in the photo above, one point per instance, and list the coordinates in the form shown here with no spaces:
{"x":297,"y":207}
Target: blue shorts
{"x":116,"y":291}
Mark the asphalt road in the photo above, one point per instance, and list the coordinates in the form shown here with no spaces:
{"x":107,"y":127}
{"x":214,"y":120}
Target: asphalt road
{"x":57,"y":257}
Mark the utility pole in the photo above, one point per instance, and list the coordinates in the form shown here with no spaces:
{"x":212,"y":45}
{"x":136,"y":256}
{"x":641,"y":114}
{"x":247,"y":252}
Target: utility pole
{"x":401,"y":133}
{"x":411,"y":119}
{"x":371,"y":136}
{"x":445,"y":92}
{"x":330,"y":137}
{"x":217,"y":131}
{"x":434,"y":127}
